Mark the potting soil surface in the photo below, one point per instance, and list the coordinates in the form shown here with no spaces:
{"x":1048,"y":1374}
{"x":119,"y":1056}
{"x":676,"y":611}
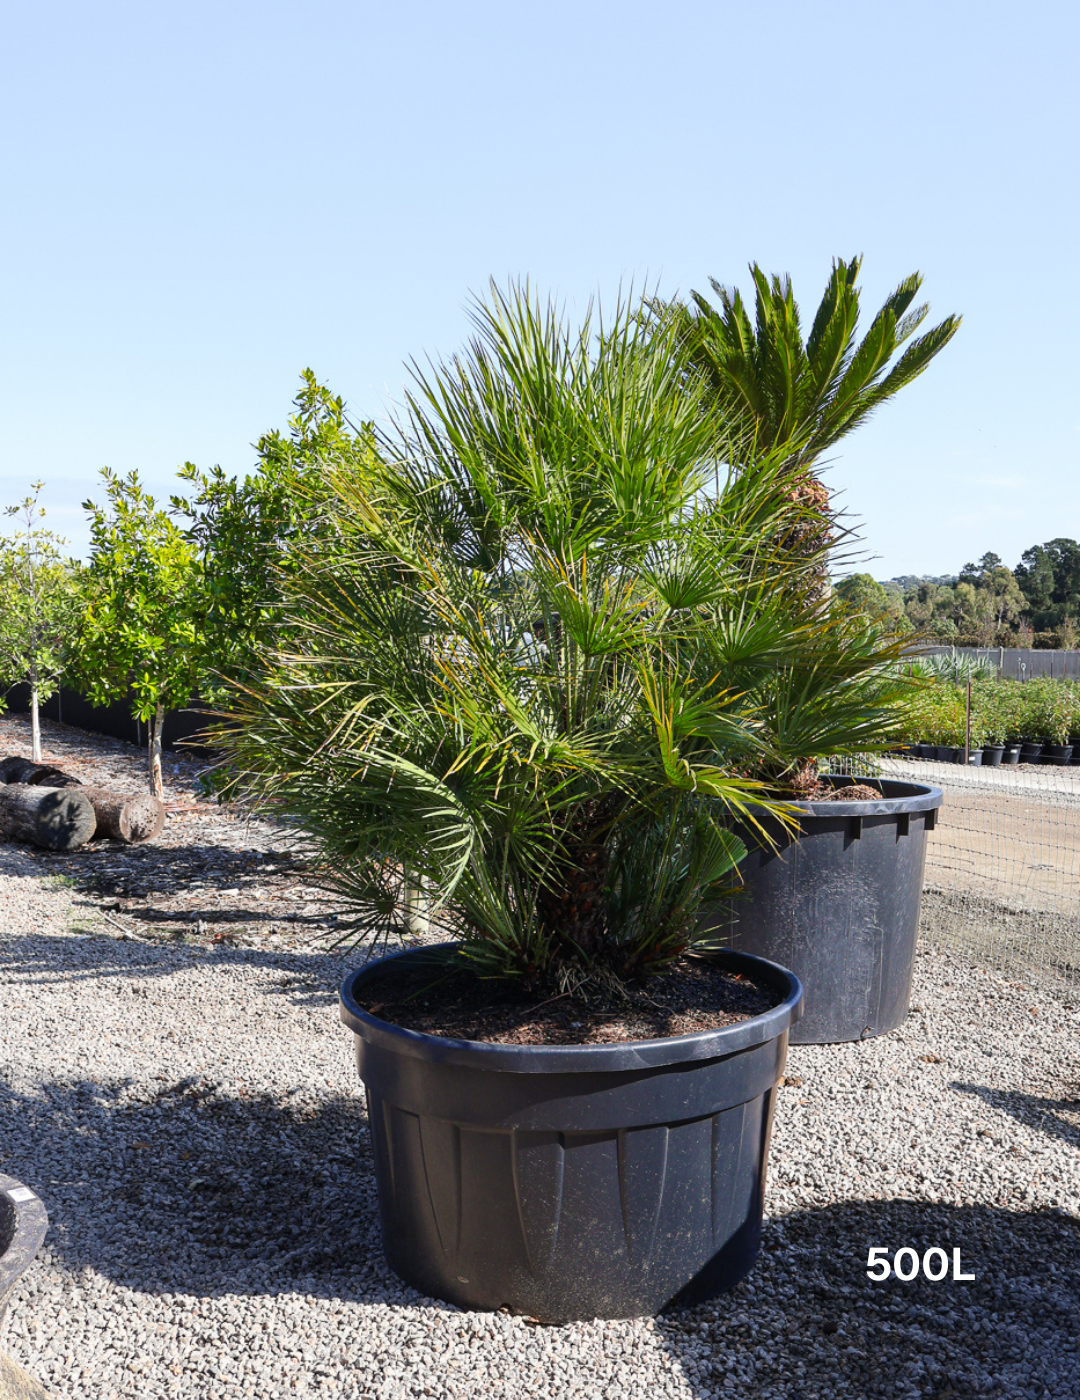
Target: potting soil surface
{"x":692,"y":996}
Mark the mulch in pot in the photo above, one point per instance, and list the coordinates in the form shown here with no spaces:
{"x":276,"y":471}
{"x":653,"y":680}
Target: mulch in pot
{"x":694,"y":995}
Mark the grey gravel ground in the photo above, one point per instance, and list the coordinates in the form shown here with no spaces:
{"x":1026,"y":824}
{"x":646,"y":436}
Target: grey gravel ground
{"x":192,"y":1118}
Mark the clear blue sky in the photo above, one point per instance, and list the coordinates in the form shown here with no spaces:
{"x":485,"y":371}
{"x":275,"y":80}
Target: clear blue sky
{"x":199,"y":200}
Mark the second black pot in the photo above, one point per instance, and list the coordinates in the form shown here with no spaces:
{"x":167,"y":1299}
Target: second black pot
{"x":1059,"y":755}
{"x":839,"y":905}
{"x":571,"y":1182}
{"x":992,"y":755}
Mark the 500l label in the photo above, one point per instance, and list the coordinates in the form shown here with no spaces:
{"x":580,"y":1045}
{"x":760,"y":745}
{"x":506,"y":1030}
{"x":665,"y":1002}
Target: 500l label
{"x":907,"y":1265}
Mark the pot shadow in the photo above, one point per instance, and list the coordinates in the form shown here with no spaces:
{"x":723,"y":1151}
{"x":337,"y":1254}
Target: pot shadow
{"x":808,"y":1322}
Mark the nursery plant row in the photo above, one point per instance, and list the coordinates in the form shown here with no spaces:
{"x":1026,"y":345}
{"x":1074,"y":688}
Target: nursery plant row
{"x":1007,"y":722}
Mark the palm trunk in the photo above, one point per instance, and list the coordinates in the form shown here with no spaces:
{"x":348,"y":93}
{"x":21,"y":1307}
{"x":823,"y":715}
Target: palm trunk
{"x":154,"y":727}
{"x":417,"y":906}
{"x":35,"y":724}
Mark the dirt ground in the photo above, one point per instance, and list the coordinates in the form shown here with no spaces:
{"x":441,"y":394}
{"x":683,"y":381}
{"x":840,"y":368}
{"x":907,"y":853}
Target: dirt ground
{"x":1003,"y":866}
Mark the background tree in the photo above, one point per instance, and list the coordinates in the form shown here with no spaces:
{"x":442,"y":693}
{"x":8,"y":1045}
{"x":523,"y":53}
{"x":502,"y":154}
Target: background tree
{"x":39,"y":603}
{"x":863,"y":593}
{"x":249,"y":532}
{"x":1049,"y":576}
{"x":999,"y":602}
{"x":139,"y":633}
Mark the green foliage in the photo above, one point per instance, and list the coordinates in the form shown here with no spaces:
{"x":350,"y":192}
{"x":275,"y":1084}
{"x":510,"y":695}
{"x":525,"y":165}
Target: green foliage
{"x":246,"y":531}
{"x":1002,"y":711}
{"x":807,"y":395}
{"x":39,"y":603}
{"x":1049,"y":576}
{"x":544,"y":645}
{"x":140,"y":628}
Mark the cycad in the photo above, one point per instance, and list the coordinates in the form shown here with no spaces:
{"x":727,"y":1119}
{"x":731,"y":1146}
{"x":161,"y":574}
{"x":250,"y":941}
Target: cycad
{"x":807,"y":395}
{"x":552,"y":645}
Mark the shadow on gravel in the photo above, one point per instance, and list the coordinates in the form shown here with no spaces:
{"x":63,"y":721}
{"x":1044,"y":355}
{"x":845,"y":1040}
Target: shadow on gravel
{"x":199,"y":1192}
{"x":1033,"y":1111}
{"x":1011,"y":1332}
{"x":307,"y":978}
{"x":134,"y":876}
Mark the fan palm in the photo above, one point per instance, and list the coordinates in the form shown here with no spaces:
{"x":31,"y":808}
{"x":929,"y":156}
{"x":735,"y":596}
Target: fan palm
{"x":552,"y":645}
{"x":807,"y":395}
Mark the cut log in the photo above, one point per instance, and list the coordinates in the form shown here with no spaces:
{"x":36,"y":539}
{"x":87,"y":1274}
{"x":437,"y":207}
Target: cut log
{"x":122,"y":816}
{"x":16,"y":770}
{"x":125,"y":816}
{"x":60,"y":819}
{"x":25,"y":770}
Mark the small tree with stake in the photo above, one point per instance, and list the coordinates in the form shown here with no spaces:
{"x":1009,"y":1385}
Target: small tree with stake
{"x":38,"y":607}
{"x":139,"y":633}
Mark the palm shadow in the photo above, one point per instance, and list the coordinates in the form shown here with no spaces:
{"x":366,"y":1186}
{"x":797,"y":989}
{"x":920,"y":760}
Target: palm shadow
{"x":1046,"y":1115}
{"x":306,"y":978}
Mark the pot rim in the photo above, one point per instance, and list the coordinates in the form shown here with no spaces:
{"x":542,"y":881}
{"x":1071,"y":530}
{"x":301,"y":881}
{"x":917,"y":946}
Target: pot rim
{"x":31,"y":1223}
{"x":917,"y":797}
{"x":590,"y":1059}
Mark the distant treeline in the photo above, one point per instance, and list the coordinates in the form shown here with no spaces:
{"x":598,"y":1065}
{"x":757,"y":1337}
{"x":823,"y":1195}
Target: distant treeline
{"x":1035,"y":604}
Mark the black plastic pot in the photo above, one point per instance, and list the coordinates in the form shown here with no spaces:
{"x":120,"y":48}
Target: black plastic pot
{"x":992,"y":755}
{"x":1030,"y":750}
{"x":571,"y":1182}
{"x":1012,"y":753}
{"x":23,"y":1223}
{"x":974,"y":758}
{"x":1060,"y":755}
{"x":839,"y":905}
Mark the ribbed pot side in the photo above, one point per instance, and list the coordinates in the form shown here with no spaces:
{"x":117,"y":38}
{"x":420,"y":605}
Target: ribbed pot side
{"x":572,"y":1182}
{"x":839,"y":905}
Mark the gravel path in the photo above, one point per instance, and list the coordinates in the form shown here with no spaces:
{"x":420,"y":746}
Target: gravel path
{"x":191,"y":1116}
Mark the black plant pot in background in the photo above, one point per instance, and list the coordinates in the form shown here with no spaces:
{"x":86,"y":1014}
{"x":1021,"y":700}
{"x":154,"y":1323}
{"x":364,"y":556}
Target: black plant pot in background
{"x":571,"y":1182}
{"x":839,"y":906}
{"x":1012,"y":754}
{"x":1059,"y":755}
{"x":1030,"y":750}
{"x":992,"y":755}
{"x":974,"y":758}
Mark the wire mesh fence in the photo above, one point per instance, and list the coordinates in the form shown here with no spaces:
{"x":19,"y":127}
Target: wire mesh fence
{"x":1002,"y":881}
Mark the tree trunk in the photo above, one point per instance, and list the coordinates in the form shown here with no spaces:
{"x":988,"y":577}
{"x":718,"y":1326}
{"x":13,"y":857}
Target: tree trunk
{"x":126,"y":816}
{"x":60,"y":819}
{"x":156,"y":786}
{"x":417,"y":906}
{"x":35,"y":724}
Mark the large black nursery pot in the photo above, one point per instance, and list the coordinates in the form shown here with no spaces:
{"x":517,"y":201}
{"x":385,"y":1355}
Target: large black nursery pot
{"x":23,"y":1223}
{"x":572,"y":1182}
{"x":839,"y":905}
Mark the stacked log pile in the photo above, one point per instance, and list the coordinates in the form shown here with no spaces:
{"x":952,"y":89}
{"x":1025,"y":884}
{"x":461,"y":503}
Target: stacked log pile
{"x":43,"y":805}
